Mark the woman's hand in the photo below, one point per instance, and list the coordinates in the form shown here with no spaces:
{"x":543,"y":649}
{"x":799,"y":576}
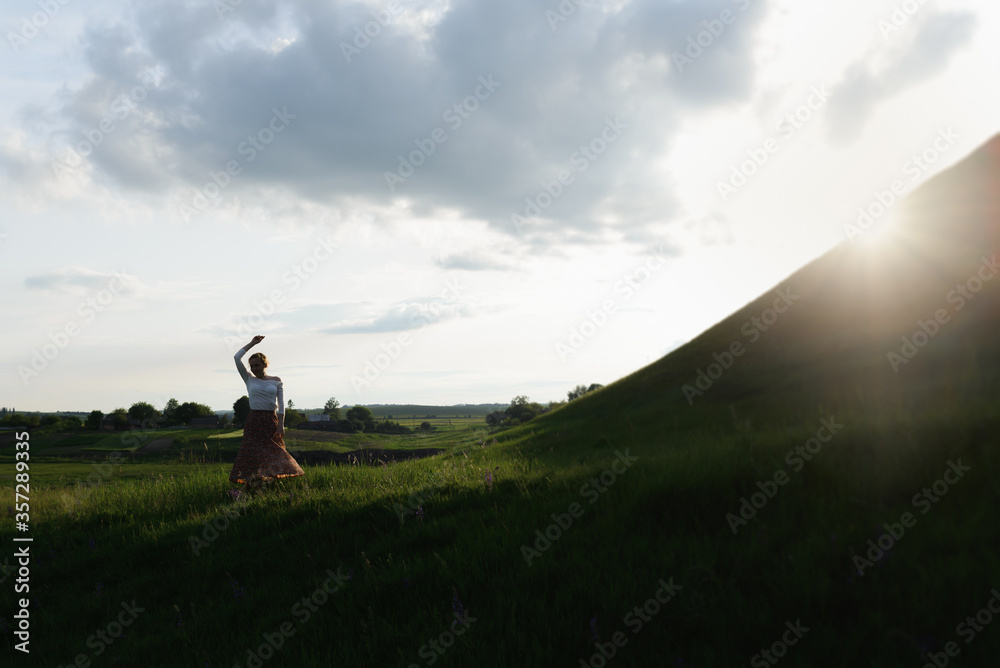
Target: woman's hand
{"x":257,"y":339}
{"x":281,"y":430}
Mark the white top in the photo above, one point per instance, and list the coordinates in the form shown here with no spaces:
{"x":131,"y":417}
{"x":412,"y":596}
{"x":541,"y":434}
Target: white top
{"x":263,"y":393}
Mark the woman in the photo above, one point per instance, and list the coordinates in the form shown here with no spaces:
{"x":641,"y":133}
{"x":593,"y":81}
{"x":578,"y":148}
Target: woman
{"x":262,"y":454}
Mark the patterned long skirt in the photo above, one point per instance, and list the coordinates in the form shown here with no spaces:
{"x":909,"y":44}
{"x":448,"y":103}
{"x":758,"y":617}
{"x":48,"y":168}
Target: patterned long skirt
{"x":262,"y":452}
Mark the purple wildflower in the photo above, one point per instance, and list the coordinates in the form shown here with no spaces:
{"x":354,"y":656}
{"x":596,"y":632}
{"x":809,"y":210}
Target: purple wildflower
{"x":593,"y":628}
{"x":237,"y":590}
{"x":420,"y":513}
{"x":461,"y":614}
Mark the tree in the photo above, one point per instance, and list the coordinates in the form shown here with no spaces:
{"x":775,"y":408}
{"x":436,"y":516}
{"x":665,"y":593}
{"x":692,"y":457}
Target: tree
{"x":362,"y":414}
{"x":189,"y":409}
{"x":170,"y":412}
{"x":224,"y":420}
{"x":19,"y":420}
{"x":143,"y":411}
{"x":293,"y":417}
{"x":332,"y":408}
{"x":581,"y":390}
{"x":390,"y":427}
{"x":94,"y":419}
{"x":426,"y":426}
{"x":241,"y":409}
{"x":521,"y":410}
{"x":119,"y":418}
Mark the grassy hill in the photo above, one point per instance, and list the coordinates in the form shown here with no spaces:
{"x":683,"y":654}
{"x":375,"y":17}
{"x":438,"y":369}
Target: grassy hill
{"x":817,"y":502}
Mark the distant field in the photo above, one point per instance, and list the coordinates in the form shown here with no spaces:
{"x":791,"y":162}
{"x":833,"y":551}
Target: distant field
{"x":64,"y":459}
{"x":439,"y":421}
{"x":126,"y":441}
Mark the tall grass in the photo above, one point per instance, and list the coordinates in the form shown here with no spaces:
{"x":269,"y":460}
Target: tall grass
{"x":463,"y":553}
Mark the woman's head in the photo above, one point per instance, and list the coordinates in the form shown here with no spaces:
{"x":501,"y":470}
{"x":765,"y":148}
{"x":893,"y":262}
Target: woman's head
{"x":258,"y":362}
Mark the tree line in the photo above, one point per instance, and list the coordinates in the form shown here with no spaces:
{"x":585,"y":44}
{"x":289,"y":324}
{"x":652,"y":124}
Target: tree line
{"x":356,"y":418}
{"x":522,"y":410}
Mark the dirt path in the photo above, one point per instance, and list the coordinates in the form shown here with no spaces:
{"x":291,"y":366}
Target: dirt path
{"x":156,"y":445}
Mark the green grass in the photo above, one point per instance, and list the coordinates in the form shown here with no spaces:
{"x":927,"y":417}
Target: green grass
{"x":664,"y":517}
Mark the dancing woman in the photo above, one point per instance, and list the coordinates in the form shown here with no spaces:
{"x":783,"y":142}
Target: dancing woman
{"x":262,"y":454}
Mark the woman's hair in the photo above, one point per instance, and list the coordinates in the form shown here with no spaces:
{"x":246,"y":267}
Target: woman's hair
{"x":262,"y":356}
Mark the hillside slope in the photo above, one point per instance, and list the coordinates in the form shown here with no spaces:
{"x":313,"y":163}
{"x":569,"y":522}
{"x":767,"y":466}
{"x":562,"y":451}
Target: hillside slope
{"x":839,"y":340}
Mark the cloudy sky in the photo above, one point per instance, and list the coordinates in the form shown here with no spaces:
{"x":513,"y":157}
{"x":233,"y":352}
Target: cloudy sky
{"x":441,"y":202}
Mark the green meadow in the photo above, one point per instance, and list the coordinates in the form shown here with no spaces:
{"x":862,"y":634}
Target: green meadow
{"x":556,"y":558}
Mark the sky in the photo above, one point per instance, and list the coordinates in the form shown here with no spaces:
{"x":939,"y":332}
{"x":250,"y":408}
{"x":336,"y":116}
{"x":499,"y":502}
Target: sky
{"x":437,"y":202}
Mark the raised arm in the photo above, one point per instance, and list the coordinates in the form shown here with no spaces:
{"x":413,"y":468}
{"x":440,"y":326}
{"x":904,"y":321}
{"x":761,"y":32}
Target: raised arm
{"x":243,"y":351}
{"x":239,"y":365}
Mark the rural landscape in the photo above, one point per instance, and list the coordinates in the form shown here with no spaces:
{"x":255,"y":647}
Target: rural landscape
{"x":533,"y":333}
{"x":810,"y":482}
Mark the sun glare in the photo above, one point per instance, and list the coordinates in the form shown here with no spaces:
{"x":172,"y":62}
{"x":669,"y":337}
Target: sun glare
{"x":881,"y":232}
